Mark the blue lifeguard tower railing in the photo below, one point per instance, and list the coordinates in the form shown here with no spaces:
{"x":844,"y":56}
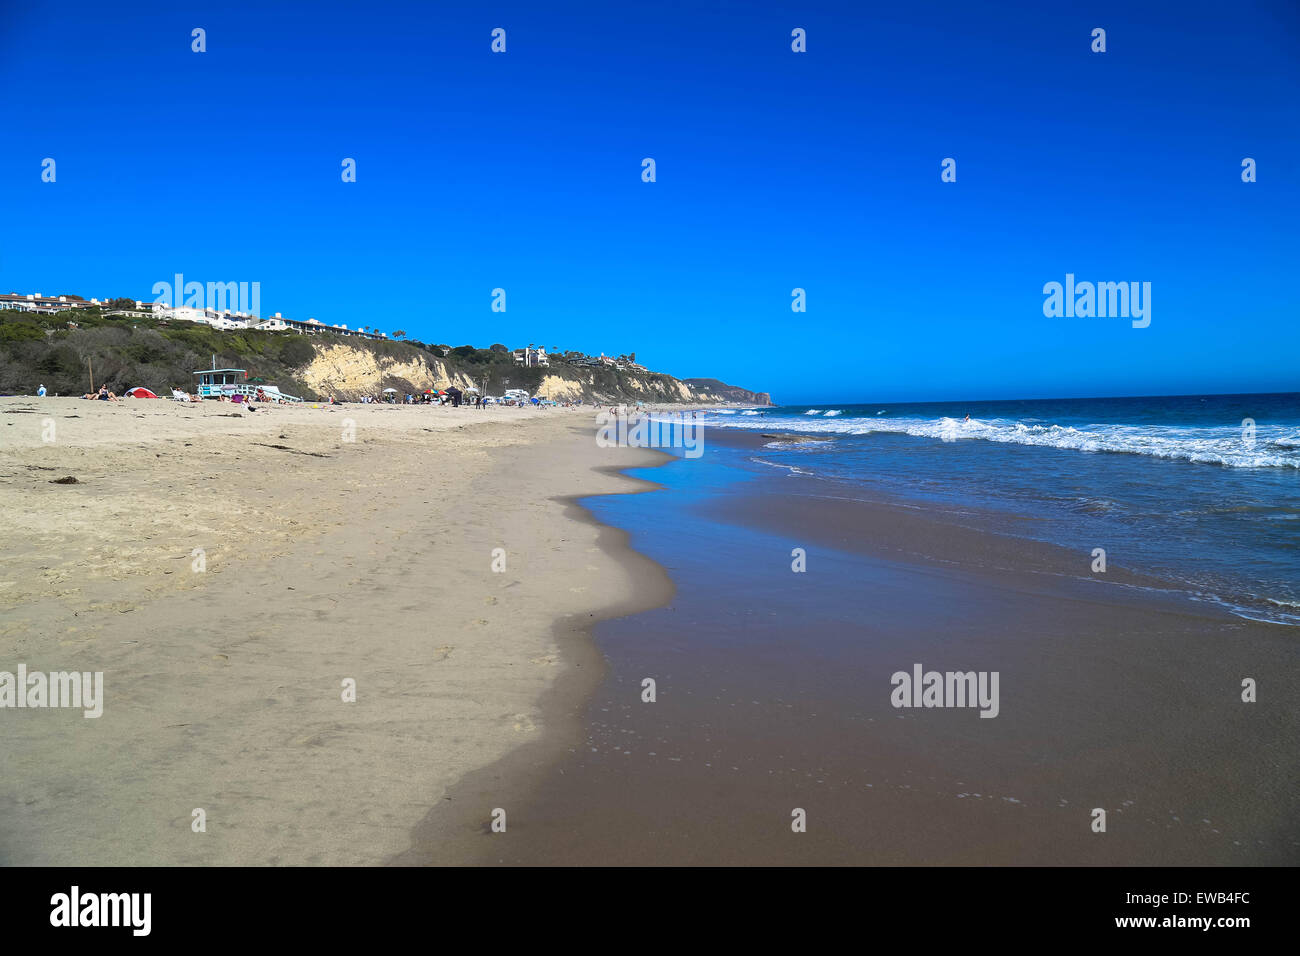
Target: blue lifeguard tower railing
{"x":229,"y":382}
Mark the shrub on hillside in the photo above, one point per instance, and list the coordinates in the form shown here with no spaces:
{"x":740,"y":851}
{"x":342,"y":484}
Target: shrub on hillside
{"x":296,"y":351}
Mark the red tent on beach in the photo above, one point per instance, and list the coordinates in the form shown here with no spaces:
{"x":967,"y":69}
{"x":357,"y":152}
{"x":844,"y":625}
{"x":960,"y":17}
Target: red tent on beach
{"x":139,"y":392}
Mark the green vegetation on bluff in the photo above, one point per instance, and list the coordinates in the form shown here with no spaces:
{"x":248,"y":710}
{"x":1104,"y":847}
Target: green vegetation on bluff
{"x":127,"y":351}
{"x":124,"y":352}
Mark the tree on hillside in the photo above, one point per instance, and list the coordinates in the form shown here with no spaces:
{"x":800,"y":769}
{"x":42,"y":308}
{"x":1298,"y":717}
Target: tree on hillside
{"x":399,"y":334}
{"x":497,"y":347}
{"x":121,"y":303}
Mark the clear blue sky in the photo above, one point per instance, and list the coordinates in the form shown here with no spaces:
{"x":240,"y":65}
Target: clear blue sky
{"x":775,"y":170}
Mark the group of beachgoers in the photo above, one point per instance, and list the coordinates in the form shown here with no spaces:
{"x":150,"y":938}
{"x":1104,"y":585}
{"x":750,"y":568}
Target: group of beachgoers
{"x":103,"y":395}
{"x":179,"y":395}
{"x":453,"y":397}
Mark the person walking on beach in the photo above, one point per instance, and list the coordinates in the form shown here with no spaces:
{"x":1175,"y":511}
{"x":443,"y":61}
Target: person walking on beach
{"x":40,"y":392}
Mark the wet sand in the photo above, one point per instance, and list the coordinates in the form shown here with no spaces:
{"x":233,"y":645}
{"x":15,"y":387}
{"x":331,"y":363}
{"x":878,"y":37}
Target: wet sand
{"x":773,"y":693}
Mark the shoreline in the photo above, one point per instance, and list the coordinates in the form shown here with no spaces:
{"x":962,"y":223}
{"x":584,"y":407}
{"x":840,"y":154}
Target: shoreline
{"x":519,"y":690}
{"x":452,"y":836}
{"x":774,"y":692}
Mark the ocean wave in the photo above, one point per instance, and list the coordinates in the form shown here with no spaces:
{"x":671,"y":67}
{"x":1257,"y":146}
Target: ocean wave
{"x":813,"y":411}
{"x":791,"y":469}
{"x":1220,"y":445}
{"x":833,"y":412}
{"x":751,"y":413}
{"x":800,"y":444}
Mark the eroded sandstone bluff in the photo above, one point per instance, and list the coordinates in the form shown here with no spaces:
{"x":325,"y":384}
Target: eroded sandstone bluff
{"x":348,"y":372}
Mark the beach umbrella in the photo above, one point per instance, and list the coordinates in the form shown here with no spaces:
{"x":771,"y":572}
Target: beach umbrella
{"x":140,"y":392}
{"x":387,"y":390}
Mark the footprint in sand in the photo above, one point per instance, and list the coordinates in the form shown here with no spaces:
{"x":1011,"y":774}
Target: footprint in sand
{"x":441,"y":653}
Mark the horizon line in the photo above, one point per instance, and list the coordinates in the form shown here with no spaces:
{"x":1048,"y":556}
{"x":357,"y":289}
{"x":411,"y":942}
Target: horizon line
{"x":1056,"y":398}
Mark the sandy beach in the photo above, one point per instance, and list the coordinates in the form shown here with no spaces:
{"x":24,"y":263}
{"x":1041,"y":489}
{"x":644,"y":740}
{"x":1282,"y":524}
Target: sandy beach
{"x":229,"y":572}
{"x":233,"y":574}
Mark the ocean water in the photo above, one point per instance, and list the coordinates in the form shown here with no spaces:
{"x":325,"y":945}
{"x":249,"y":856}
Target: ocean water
{"x":1202,"y":492}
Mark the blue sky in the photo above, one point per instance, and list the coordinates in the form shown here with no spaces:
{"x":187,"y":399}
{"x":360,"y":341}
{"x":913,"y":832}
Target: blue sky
{"x":775,"y":170}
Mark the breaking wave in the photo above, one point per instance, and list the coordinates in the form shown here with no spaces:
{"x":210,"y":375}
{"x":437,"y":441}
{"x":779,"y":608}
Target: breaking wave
{"x":1217,"y":445}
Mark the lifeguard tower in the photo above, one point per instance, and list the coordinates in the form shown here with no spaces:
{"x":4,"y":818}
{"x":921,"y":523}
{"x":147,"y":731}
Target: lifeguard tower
{"x":229,"y":382}
{"x":223,"y":382}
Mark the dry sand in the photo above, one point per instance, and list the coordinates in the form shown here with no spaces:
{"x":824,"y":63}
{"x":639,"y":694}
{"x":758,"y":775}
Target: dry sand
{"x":324,"y":560}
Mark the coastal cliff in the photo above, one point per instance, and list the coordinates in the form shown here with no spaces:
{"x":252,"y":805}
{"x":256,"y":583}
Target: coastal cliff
{"x":728,"y":393}
{"x":62,"y":352}
{"x":346,"y":370}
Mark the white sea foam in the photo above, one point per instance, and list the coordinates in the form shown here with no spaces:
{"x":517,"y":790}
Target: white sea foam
{"x":799,"y":443}
{"x":833,"y":412}
{"x":813,"y":411}
{"x":792,"y":469}
{"x":1221,"y":445}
